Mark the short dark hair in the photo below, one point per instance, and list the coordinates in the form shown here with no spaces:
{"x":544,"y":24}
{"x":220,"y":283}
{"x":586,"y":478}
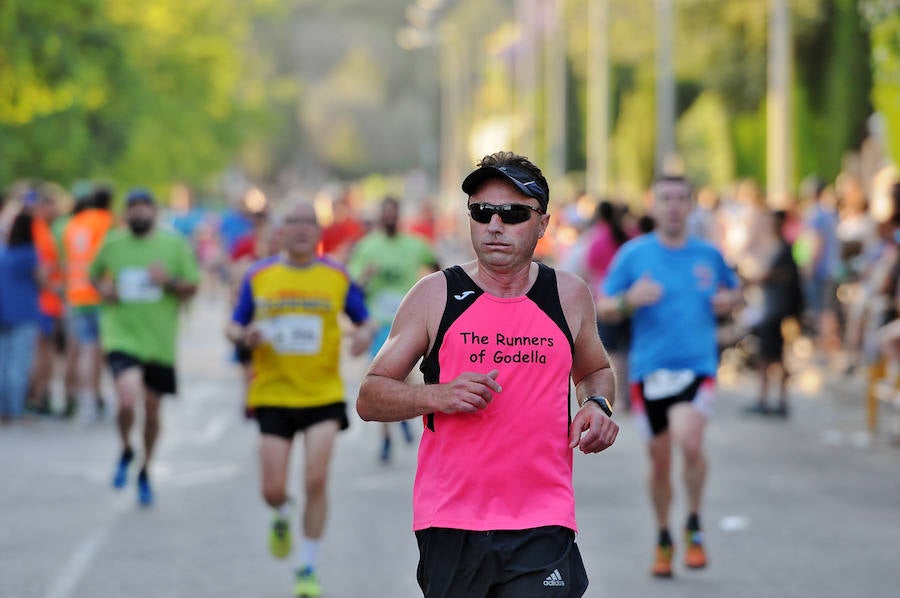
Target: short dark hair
{"x":674,"y":178}
{"x":20,"y":231}
{"x":102,"y":197}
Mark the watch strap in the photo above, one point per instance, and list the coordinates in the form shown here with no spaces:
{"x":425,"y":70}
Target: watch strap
{"x":604,"y":404}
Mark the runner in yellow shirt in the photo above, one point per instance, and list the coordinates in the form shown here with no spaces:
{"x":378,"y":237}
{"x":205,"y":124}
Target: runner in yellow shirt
{"x":287,"y":314}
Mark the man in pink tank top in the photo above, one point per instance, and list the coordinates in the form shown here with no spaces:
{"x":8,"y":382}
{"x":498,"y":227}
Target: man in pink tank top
{"x":501,"y":338}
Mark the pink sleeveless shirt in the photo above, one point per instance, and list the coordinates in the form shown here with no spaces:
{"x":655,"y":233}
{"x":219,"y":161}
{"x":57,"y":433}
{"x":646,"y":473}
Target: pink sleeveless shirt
{"x":508,"y":467}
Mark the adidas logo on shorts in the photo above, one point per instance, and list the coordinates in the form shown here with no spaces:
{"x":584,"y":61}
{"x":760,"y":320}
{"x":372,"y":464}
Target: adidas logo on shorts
{"x":554,"y":579}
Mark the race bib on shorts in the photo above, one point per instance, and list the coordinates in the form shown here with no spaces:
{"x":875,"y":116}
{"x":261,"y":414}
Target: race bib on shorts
{"x":662,"y":384}
{"x":294,"y":334}
{"x":134,"y":285}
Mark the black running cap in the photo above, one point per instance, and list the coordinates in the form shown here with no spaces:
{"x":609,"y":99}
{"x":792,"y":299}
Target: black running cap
{"x":523,"y":180}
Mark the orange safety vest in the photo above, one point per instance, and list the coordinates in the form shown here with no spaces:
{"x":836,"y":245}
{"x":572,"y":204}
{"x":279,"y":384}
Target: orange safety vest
{"x":82,"y":238}
{"x":50,"y":303}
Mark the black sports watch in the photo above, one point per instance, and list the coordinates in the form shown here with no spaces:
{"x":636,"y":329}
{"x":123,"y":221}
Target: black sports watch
{"x":604,"y":404}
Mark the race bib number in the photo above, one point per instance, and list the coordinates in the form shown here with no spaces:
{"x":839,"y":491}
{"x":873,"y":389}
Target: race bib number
{"x":386,"y":305}
{"x":295,"y":334}
{"x":134,"y":285}
{"x":662,"y":384}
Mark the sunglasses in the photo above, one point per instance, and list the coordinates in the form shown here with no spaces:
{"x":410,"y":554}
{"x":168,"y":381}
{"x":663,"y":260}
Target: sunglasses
{"x":510,"y":213}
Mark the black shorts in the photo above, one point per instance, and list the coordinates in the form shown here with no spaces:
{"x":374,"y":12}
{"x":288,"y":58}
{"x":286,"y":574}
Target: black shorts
{"x":157,"y":377}
{"x":771,"y":340}
{"x":287,"y":421}
{"x":615,"y":336}
{"x":656,"y":411}
{"x":539,"y":562}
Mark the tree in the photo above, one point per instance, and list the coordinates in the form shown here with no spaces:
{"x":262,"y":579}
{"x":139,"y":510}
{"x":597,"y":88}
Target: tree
{"x":137,"y":92}
{"x":883,"y":18}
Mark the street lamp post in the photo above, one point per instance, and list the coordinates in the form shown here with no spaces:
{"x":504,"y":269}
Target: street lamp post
{"x":779,"y":154}
{"x":555,"y":84}
{"x":665,"y":85}
{"x":597,"y":143}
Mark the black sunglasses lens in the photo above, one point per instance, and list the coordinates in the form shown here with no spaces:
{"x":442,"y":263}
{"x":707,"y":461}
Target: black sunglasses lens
{"x":509,"y":214}
{"x":515,"y":214}
{"x":481,"y":213}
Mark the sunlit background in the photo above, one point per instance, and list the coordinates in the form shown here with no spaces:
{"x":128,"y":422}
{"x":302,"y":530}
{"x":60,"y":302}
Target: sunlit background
{"x":402,"y":96}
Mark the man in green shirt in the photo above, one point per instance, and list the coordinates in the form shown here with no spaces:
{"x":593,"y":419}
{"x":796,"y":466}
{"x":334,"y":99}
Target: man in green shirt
{"x":386,"y":264}
{"x":143,"y":275}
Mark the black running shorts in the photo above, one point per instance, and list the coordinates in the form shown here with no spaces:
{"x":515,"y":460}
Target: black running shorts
{"x":531,"y":563}
{"x":287,"y":421}
{"x":157,"y":377}
{"x":657,"y":410}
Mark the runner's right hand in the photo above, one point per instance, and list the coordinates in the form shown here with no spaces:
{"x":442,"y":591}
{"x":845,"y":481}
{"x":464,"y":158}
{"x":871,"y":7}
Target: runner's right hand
{"x":469,"y":392}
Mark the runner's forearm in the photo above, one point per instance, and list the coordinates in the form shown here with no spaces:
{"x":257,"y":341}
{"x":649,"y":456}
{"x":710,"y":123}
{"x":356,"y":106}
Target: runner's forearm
{"x":387,"y":400}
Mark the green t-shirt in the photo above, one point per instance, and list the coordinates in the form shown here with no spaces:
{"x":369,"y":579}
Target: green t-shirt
{"x":397,"y":261}
{"x":144,"y":323}
{"x":57,"y":228}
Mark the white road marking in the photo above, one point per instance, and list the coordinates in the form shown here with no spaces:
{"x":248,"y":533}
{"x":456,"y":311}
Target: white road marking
{"x":213,"y":431}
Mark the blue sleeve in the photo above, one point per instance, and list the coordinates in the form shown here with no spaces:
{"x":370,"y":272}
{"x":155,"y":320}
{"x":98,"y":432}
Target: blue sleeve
{"x":617,"y":279}
{"x":728,"y":276}
{"x":243,"y":311}
{"x":355,"y":305}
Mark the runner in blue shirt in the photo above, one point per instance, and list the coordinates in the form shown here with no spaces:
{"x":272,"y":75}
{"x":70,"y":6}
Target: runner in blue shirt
{"x":673,"y":286}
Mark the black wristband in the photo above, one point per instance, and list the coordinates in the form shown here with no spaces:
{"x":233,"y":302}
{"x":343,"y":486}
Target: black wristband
{"x":604,"y":404}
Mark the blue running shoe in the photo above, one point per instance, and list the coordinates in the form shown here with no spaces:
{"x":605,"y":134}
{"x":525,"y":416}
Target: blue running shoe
{"x":121,"y":477}
{"x":145,"y":492}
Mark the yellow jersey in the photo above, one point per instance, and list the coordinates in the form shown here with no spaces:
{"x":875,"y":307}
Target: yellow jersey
{"x":297,"y":308}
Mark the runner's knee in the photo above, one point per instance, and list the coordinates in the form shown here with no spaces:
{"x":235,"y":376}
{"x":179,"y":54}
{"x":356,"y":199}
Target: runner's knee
{"x":316,"y":481}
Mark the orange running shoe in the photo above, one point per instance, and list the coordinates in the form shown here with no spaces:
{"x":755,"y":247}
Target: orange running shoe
{"x":662,"y":566}
{"x":694,"y":555}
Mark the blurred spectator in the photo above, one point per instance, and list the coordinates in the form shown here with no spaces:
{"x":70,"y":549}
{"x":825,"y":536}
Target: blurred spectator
{"x":183,"y":215}
{"x":386,"y":263}
{"x":236,"y":220}
{"x":817,"y":253}
{"x":703,"y":222}
{"x":19,"y":314}
{"x":782,"y":298}
{"x":339,"y":237}
{"x":606,"y":237}
{"x":51,"y":303}
{"x":888,"y":321}
{"x":260,"y":243}
{"x":424,"y":223}
{"x":855,"y":228}
{"x":83,"y":235}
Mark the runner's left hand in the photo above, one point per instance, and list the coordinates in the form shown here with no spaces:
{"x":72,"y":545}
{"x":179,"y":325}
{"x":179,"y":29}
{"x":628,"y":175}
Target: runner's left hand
{"x":592,"y":430}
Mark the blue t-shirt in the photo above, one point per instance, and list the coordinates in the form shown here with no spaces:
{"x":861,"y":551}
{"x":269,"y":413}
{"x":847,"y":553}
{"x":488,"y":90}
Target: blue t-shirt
{"x":679,"y":331}
{"x":234,"y":225}
{"x":18,"y":285}
{"x":824,"y":223}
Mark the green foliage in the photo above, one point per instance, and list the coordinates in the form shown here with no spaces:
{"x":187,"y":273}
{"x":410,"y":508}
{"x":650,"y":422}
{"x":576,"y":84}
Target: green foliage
{"x":139,"y":92}
{"x":705,"y":141}
{"x":845,"y":108}
{"x":633,"y":140}
{"x":748,"y":130}
{"x":883,"y":17}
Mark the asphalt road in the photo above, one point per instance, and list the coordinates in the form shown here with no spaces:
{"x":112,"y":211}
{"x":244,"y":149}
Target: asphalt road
{"x":808,"y":507}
